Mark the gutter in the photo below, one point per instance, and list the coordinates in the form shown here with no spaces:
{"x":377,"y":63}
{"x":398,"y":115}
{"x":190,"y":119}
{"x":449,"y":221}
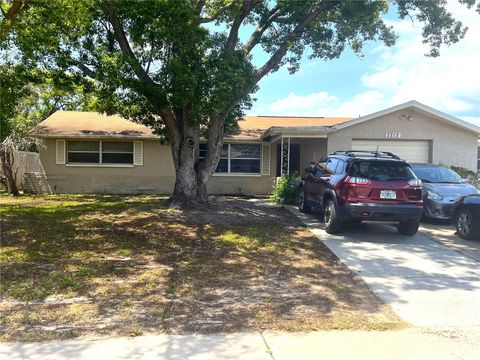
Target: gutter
{"x":90,"y":136}
{"x":298,"y":131}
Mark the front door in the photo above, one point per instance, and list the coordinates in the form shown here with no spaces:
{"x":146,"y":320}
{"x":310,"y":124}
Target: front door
{"x":294,"y":159}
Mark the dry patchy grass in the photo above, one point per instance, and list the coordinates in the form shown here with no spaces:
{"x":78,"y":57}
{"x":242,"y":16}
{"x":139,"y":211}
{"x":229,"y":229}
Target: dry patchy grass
{"x":81,"y":265}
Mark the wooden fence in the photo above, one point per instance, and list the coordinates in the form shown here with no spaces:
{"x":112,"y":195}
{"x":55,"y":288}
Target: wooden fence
{"x":26,"y":162}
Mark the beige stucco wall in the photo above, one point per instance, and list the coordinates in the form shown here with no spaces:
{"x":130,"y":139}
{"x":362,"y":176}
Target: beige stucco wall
{"x":156,"y":175}
{"x":449,"y":144}
{"x":311,"y":149}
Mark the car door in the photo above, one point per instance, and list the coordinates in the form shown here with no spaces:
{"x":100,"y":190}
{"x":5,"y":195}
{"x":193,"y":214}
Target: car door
{"x":319,"y":183}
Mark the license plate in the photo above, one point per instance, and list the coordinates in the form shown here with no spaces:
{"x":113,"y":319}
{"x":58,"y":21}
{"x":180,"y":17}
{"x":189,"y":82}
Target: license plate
{"x":388,"y":194}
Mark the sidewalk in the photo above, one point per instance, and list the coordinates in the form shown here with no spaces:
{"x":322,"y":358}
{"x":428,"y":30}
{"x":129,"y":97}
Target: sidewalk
{"x":413,"y":343}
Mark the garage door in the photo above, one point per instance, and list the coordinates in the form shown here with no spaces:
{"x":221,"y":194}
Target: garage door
{"x":415,"y":151}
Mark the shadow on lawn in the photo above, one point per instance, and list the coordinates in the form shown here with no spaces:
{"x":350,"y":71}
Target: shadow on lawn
{"x":130,"y":264}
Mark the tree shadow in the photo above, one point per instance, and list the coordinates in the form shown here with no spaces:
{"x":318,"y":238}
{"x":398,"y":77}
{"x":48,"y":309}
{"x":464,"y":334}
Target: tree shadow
{"x":397,"y":267}
{"x":138,"y":266}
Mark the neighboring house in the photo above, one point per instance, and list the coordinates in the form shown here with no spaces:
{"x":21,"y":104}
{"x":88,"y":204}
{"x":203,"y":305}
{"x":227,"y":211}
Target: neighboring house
{"x":88,"y":152}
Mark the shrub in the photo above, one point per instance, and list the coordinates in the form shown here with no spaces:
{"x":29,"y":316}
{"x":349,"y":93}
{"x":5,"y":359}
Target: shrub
{"x":470,"y":175}
{"x":286,"y":190}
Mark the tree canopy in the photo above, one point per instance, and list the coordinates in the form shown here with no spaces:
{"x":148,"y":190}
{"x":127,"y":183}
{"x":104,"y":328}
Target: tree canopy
{"x":185,"y":67}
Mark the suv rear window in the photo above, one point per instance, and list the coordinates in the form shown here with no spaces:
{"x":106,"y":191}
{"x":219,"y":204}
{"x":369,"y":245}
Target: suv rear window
{"x":377,"y":170}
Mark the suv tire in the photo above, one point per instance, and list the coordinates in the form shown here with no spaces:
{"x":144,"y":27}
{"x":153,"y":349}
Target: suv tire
{"x":466,"y":227}
{"x":303,"y":202}
{"x":409,"y":228}
{"x":330,"y":213}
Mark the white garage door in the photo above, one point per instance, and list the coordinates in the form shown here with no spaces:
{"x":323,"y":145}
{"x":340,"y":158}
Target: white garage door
{"x":415,"y":151}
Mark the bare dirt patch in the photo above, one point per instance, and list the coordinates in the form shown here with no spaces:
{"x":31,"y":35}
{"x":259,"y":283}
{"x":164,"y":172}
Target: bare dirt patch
{"x":108,"y":265}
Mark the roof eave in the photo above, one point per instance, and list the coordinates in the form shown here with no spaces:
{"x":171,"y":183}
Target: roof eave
{"x":89,"y":136}
{"x":293,"y":131}
{"x":414,"y":105}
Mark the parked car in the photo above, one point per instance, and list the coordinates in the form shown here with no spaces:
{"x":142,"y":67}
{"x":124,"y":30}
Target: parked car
{"x":441,"y":187}
{"x":466,"y":216}
{"x":355,"y":186}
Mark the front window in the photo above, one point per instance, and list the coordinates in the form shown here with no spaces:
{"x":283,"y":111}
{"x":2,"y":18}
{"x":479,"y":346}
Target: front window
{"x":117,"y":153}
{"x":100,"y":152}
{"x":84,"y":152}
{"x":237,"y":158}
{"x":245,"y":158}
{"x":437,"y":174}
{"x":382,"y":170}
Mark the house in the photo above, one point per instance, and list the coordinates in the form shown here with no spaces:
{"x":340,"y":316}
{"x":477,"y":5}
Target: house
{"x":88,"y":152}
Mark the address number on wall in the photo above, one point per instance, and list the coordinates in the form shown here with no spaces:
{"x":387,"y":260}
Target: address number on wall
{"x":393,"y":135}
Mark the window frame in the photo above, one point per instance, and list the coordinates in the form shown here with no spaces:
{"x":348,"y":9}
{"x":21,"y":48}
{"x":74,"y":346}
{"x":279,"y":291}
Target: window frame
{"x":100,"y":162}
{"x":333,"y":169}
{"x":98,"y":151}
{"x":229,"y":159}
{"x":117,"y":152}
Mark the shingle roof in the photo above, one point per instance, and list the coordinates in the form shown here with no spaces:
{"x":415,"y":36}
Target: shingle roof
{"x":90,"y":124}
{"x":93,"y":124}
{"x":255,"y":126}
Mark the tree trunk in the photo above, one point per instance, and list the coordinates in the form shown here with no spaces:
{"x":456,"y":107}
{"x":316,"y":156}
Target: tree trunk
{"x":192,"y":174}
{"x":7,"y":160}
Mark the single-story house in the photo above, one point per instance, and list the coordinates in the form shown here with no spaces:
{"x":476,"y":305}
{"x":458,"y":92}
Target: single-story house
{"x":87,"y":152}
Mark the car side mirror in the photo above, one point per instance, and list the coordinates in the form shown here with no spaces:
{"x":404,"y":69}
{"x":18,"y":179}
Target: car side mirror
{"x":465,"y":181}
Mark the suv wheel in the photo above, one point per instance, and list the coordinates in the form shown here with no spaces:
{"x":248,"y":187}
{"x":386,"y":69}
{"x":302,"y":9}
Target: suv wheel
{"x":464,"y":223}
{"x":303,"y":202}
{"x":330,"y":214}
{"x":409,"y":228}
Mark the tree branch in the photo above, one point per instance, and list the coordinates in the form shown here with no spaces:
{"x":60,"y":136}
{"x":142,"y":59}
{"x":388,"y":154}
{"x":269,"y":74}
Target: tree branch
{"x":246,"y":8}
{"x":214,"y":16}
{"x":294,"y":35}
{"x":217,"y":123}
{"x":153,"y":96}
{"x":199,"y":6}
{"x":85,"y":70}
{"x":122,"y":40}
{"x":261,"y":28}
{"x":10,"y":17}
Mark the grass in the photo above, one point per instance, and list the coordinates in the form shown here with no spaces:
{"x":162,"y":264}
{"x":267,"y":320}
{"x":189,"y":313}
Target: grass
{"x":93,"y":265}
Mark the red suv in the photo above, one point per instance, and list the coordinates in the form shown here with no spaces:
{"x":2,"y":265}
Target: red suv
{"x":353,"y":186}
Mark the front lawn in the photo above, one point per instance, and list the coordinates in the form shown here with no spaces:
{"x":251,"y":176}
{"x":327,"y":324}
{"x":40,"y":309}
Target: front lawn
{"x":93,"y":265}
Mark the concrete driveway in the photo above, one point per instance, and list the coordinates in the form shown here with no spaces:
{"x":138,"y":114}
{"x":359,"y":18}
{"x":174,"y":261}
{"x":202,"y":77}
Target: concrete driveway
{"x":427,"y":282}
{"x":444,"y":233}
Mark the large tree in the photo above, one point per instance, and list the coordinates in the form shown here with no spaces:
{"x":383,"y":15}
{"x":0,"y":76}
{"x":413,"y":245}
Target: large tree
{"x":185,"y":67}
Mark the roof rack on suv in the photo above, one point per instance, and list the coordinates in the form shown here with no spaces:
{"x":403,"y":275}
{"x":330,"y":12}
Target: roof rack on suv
{"x":355,"y":153}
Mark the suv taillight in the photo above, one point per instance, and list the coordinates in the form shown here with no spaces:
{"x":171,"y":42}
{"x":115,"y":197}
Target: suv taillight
{"x":415,"y":182}
{"x":355,"y":180}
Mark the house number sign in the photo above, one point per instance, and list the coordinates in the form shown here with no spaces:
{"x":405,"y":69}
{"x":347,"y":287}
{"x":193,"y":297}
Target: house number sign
{"x":393,"y":135}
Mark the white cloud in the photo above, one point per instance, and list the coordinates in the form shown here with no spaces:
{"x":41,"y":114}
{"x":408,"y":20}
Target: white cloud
{"x":296,"y":104}
{"x":450,"y":82}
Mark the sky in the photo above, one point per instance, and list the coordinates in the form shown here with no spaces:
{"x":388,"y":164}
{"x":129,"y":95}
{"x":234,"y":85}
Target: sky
{"x":353,"y":86}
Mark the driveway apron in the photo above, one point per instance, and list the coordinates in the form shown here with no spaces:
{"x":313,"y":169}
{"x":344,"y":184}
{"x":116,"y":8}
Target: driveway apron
{"x":426,"y":282}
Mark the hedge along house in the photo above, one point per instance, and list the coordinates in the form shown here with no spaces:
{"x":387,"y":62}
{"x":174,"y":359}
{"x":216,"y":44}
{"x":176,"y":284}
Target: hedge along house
{"x":87,"y":152}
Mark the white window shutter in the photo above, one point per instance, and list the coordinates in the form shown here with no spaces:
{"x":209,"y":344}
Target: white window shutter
{"x":138,"y":153}
{"x":265,"y":159}
{"x":60,"y":152}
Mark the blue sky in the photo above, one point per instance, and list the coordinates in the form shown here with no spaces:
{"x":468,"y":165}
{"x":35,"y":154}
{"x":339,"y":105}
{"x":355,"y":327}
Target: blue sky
{"x":384,"y":77}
